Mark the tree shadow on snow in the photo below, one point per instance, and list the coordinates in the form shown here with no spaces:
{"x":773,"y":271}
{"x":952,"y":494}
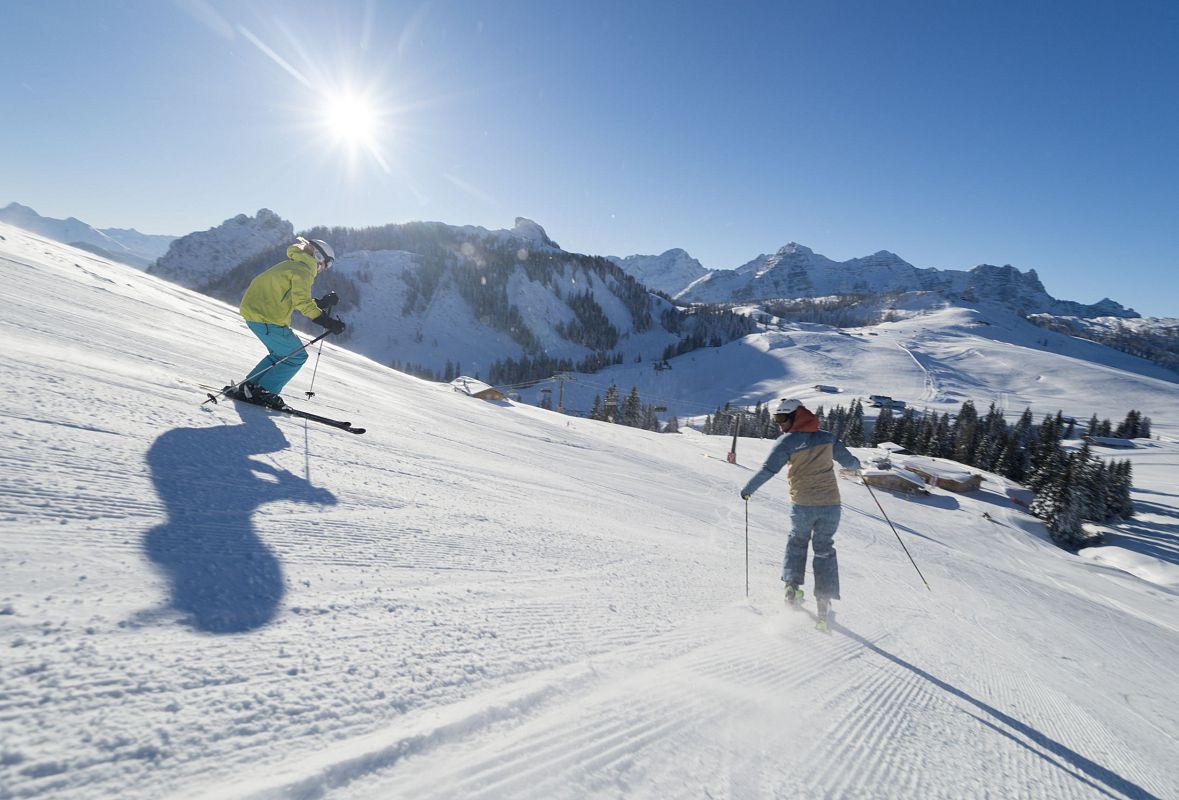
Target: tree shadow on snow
{"x":224,"y":579}
{"x":1148,"y":537}
{"x":1084,"y":769}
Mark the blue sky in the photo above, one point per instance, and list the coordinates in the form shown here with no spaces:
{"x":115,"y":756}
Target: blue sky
{"x":1041,"y":135}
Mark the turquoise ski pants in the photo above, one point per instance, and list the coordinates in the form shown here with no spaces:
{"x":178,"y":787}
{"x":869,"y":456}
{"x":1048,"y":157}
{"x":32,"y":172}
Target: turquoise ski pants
{"x":280,"y":340}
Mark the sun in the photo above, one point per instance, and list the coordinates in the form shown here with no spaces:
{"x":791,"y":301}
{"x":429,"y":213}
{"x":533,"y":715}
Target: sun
{"x":352,"y":120}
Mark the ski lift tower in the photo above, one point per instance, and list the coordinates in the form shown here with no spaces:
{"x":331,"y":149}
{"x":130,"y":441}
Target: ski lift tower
{"x":560,"y":378}
{"x":737,"y":415}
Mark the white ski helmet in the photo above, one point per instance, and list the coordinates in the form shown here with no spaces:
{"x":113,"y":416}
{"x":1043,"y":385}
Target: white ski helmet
{"x":324,"y":255}
{"x":784,"y":413}
{"x":787,"y":405}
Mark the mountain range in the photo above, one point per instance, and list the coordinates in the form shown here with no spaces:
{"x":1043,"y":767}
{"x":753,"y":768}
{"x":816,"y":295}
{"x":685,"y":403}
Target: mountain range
{"x":797,"y":271}
{"x":511,"y":305}
{"x":125,"y":245}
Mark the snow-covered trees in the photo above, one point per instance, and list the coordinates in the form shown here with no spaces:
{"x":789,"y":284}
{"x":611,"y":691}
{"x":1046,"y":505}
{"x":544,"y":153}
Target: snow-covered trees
{"x":1082,"y":487}
{"x":1134,"y":426}
{"x":630,"y":412}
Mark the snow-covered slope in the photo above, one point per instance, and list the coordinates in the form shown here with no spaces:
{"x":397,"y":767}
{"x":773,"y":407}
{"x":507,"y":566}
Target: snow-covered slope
{"x":199,"y":258}
{"x":122,"y":244}
{"x":932,"y":357}
{"x":489,"y":600}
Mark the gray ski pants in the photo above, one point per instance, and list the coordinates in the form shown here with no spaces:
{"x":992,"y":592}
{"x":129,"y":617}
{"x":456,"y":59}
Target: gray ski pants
{"x":819,"y":522}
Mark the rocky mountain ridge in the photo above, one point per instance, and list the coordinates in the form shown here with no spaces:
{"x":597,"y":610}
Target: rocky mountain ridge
{"x":796,"y":271}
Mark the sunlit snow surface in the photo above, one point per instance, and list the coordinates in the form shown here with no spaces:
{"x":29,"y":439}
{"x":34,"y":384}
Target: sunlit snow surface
{"x":481,"y":600}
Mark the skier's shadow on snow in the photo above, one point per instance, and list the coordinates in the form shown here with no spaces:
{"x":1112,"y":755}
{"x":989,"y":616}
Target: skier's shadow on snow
{"x":223,"y":578}
{"x":1100,"y":778}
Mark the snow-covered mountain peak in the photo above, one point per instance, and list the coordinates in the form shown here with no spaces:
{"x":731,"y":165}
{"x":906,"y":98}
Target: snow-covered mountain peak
{"x":794,"y":248}
{"x":669,"y":272}
{"x":531,"y":231}
{"x":126,"y":246}
{"x":199,"y":258}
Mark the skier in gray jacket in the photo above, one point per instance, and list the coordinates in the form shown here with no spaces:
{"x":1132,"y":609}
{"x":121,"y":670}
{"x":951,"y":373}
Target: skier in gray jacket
{"x":814,"y":495}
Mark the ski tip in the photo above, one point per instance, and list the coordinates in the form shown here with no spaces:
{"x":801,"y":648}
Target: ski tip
{"x":355,"y":430}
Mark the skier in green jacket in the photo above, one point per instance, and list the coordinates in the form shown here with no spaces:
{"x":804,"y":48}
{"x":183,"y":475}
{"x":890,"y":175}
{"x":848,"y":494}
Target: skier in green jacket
{"x":267,"y":307}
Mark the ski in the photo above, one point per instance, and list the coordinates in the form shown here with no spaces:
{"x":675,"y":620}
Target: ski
{"x":334,"y":423}
{"x":296,"y":412}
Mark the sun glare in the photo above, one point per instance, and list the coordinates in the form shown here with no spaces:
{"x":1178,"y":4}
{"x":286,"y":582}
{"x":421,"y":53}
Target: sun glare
{"x":352,"y":120}
{"x":356,"y":124}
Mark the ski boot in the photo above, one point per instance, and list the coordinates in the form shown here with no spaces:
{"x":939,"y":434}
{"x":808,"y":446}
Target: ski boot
{"x":254,"y":394}
{"x":824,"y":611}
{"x":794,"y":596}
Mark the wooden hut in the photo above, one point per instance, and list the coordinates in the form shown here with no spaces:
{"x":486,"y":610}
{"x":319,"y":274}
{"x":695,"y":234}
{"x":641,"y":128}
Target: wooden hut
{"x":897,"y":480}
{"x":949,"y":476}
{"x":479,"y":389}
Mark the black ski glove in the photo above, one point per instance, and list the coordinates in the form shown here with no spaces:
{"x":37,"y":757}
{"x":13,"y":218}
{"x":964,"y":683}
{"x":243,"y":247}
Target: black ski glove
{"x":328,"y":301}
{"x":332,"y":324}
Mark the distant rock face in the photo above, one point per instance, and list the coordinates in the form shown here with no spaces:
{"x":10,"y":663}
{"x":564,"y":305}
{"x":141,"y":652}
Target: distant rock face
{"x":1023,"y":291}
{"x":669,"y":272}
{"x":200,"y":258}
{"x":796,"y":271}
{"x":531,"y":231}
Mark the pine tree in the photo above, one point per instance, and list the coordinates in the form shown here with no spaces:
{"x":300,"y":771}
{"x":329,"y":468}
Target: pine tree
{"x":1121,"y":485}
{"x":911,"y":430}
{"x":770,"y":428}
{"x":854,"y":436}
{"x":992,"y":439}
{"x":1047,"y":445}
{"x":1101,"y":500}
{"x":1060,"y":503}
{"x":597,"y":411}
{"x":673,"y":425}
{"x":632,"y":409}
{"x":1084,"y":467}
{"x":1011,"y":460}
{"x":1131,"y":426}
{"x":1050,"y":466}
{"x":943,"y":436}
{"x":964,"y":432}
{"x":926,"y":444}
{"x":882,"y":430}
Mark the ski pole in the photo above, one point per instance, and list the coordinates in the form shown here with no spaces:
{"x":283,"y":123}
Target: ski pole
{"x":213,"y":397}
{"x":310,"y":392}
{"x":747,"y":547}
{"x":899,"y":539}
